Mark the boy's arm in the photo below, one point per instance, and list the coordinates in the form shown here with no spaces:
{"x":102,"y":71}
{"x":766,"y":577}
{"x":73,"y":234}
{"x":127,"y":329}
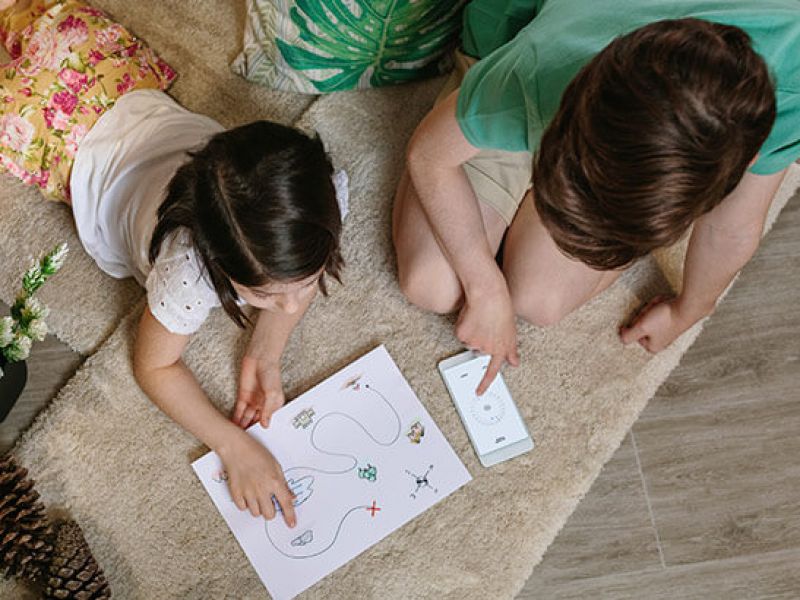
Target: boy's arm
{"x":260,"y":387}
{"x":722,"y":242}
{"x":437,"y":151}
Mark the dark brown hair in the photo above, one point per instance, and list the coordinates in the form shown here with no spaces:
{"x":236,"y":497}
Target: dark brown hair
{"x":261,"y":207}
{"x":654,"y":132}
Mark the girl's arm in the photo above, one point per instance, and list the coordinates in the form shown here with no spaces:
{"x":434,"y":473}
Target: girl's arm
{"x":260,"y":387}
{"x":253,"y":474}
{"x":722,"y":242}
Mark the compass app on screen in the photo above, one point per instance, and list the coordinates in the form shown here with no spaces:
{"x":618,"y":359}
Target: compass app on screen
{"x":491,"y":419}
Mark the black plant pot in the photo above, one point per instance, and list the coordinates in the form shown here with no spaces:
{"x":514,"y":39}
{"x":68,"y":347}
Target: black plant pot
{"x":15,"y":375}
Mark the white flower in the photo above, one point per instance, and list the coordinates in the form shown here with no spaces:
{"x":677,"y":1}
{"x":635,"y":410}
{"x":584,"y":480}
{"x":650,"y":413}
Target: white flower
{"x":46,"y":49}
{"x":19,"y":349}
{"x":6,"y":331}
{"x":59,"y":255}
{"x":37,"y":330}
{"x":33,"y":309}
{"x":16,"y":132}
{"x":71,"y":142}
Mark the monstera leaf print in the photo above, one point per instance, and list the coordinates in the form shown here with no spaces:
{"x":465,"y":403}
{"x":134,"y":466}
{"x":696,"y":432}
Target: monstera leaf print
{"x":346,"y":44}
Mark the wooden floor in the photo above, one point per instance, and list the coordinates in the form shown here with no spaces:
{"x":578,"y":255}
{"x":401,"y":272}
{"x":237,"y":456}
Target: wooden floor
{"x":703,"y":498}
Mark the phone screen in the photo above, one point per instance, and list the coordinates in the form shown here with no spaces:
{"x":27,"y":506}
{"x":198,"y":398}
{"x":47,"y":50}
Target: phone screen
{"x":491,"y":419}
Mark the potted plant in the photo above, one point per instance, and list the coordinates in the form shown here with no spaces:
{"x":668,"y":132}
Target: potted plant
{"x":24,"y":326}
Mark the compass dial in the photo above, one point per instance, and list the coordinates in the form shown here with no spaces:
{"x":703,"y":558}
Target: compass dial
{"x":488,"y":409}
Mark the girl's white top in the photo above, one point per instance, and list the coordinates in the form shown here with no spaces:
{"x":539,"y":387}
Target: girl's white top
{"x":118,"y":181}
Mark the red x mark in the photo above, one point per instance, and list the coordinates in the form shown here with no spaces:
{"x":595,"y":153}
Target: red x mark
{"x":373,"y":509}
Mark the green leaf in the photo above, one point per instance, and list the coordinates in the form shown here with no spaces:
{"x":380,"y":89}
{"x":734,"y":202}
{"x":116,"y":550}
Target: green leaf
{"x":379,"y":42}
{"x":33,"y":279}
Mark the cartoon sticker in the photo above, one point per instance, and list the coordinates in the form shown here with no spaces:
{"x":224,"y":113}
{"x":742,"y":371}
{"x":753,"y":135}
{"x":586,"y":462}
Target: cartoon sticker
{"x":416,"y":433}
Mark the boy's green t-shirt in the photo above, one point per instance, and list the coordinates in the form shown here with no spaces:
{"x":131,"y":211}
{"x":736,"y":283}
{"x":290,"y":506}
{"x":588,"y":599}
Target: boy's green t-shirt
{"x":531,"y":49}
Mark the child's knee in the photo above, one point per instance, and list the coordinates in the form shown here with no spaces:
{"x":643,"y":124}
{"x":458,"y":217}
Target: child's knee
{"x":431,"y":289}
{"x":538,"y":306}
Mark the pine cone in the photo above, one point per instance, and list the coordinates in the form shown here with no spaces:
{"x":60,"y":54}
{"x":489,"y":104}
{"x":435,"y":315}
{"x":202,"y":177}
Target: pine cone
{"x":74,"y":573}
{"x":25,"y":532}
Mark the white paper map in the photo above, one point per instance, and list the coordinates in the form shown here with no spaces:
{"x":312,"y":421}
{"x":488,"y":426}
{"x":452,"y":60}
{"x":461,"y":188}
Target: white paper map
{"x":362,"y":456}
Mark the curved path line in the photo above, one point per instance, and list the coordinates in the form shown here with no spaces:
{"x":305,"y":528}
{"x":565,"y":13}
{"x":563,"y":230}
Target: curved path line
{"x":360,"y":425}
{"x":350,"y":468}
{"x":326,"y":548}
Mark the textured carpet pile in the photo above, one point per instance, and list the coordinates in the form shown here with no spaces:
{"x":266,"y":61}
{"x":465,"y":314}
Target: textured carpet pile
{"x":122,"y":469}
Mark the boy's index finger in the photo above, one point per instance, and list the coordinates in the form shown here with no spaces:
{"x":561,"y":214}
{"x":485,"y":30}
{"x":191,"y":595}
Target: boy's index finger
{"x":491,"y":372}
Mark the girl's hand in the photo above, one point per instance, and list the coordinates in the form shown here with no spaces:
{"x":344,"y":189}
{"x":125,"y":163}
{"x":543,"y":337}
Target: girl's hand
{"x":260,"y":392}
{"x":659,"y":323}
{"x":255,"y":478}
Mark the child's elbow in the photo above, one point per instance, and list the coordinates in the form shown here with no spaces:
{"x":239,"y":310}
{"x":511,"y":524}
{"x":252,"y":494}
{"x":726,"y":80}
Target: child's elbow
{"x":413,"y":155}
{"x":141,"y":372}
{"x":418,"y":153}
{"x":144,"y":370}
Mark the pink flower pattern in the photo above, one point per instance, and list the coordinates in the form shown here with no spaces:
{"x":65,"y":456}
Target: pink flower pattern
{"x":109,"y":40}
{"x":166,"y":70}
{"x":94,"y":57}
{"x":74,"y":31}
{"x":69,"y":65}
{"x":73,"y":138}
{"x":94,"y":12}
{"x":64,"y":100}
{"x":74,"y":80}
{"x":126,"y":84}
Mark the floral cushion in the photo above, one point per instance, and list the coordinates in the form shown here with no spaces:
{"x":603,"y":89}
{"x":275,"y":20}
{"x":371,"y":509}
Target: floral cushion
{"x":319,"y":46}
{"x":69,"y":64}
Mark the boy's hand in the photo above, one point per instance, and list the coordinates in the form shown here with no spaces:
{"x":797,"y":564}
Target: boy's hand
{"x":255,"y":478}
{"x":260,"y":392}
{"x":659,"y":323}
{"x":489,"y":326}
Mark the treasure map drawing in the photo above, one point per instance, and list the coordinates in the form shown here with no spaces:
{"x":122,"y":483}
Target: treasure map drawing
{"x":361,"y":455}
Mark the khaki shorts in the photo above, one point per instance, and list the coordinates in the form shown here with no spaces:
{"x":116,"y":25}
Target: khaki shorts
{"x":499,"y":179}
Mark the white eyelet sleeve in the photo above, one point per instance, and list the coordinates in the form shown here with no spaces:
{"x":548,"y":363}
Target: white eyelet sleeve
{"x":178,"y":294}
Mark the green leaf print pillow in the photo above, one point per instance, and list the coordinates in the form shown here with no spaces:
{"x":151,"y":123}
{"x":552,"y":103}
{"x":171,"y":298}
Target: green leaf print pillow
{"x":320,"y":46}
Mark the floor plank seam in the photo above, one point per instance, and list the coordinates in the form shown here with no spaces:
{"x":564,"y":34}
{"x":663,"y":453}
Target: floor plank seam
{"x":647,"y":501}
{"x":675,"y":571}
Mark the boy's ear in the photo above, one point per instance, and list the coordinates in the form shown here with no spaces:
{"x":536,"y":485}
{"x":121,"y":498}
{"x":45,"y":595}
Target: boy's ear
{"x":755,"y":160}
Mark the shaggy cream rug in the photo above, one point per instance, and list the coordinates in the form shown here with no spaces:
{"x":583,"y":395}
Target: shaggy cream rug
{"x":105,"y":453}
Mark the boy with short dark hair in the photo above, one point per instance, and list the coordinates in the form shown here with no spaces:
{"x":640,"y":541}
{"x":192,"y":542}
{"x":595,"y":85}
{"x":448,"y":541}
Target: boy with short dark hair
{"x":644,"y":117}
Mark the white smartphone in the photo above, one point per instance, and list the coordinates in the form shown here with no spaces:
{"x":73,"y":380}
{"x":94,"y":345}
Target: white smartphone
{"x":492,"y":421}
